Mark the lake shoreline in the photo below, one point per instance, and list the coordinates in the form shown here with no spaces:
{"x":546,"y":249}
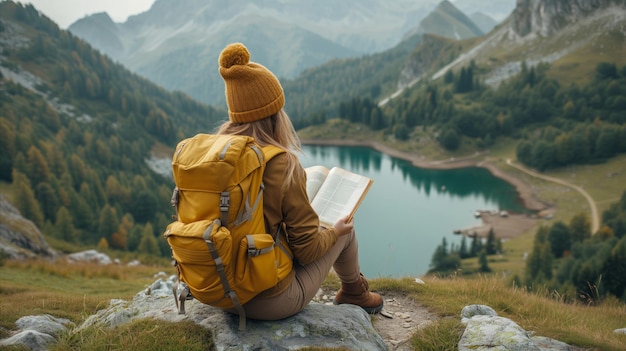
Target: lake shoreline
{"x":524,"y":190}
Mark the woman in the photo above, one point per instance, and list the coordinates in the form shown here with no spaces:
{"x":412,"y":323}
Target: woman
{"x":255,"y":102}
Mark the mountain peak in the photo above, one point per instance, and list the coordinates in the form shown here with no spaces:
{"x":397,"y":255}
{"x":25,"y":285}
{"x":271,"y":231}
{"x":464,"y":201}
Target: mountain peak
{"x":546,"y":17}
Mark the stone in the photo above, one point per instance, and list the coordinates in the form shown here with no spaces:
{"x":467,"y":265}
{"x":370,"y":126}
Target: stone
{"x":90,"y":256}
{"x":319,"y":325}
{"x":46,"y":324}
{"x":486,"y":331}
{"x":19,"y":237}
{"x":476,"y":310}
{"x":32,"y":339}
{"x":483,"y":332}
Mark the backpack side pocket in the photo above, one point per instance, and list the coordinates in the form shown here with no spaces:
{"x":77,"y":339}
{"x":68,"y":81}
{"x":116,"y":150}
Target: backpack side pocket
{"x":256,"y":268}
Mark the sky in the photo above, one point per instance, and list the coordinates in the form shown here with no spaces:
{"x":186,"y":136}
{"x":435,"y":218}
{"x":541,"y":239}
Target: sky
{"x":66,"y":12}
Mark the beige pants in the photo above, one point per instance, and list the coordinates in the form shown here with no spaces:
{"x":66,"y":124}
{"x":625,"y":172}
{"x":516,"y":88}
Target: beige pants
{"x":343,"y":257}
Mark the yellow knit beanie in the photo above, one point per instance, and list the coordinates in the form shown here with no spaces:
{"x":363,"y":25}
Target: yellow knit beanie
{"x":252,"y":91}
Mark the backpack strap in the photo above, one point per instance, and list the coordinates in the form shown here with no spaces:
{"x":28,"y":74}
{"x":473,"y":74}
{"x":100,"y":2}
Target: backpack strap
{"x":270,"y":151}
{"x":219,"y":265}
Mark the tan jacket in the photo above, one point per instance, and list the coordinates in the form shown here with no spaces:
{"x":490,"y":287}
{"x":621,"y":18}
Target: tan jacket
{"x":291,"y":205}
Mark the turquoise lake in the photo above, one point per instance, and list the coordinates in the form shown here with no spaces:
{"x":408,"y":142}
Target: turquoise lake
{"x":409,"y":210}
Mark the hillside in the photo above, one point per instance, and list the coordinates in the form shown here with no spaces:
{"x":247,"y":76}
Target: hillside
{"x":567,"y":35}
{"x":78,"y":133}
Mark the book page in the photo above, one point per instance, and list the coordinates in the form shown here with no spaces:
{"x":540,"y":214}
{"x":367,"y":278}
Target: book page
{"x":315,"y":176}
{"x":340,"y":195}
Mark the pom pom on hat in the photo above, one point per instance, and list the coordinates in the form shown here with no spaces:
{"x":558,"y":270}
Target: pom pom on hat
{"x":234,"y":54}
{"x":252,"y":91}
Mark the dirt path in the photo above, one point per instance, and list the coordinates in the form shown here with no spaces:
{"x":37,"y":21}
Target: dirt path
{"x":400,"y":319}
{"x":595,"y":218}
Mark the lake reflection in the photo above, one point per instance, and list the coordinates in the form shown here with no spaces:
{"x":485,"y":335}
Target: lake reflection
{"x":409,"y":210}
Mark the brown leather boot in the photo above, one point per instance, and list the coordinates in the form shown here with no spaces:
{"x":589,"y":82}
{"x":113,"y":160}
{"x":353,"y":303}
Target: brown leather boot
{"x":358,"y":293}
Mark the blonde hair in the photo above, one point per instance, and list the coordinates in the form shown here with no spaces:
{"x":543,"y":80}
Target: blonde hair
{"x":276,"y":130}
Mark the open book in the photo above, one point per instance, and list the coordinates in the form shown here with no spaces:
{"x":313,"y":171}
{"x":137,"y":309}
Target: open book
{"x":335,"y":193}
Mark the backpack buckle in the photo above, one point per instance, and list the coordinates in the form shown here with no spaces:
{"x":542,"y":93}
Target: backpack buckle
{"x":252,"y":252}
{"x":224,"y":201}
{"x":184,"y":295}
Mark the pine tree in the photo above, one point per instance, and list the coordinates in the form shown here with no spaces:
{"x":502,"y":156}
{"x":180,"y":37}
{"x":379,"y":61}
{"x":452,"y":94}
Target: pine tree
{"x":463,"y":252}
{"x":484,"y":263}
{"x":546,"y":259}
{"x":148,"y":244}
{"x":64,"y":227}
{"x":475,"y":246}
{"x":490,"y":246}
{"x":25,"y":201}
{"x":533,"y":264}
{"x":580,"y":228}
{"x":38,"y":169}
{"x":560,"y":240}
{"x":108,"y":224}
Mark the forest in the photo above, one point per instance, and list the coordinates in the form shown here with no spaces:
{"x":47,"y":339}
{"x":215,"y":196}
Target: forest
{"x":566,"y":258}
{"x":81,"y":175}
{"x":556,"y":126}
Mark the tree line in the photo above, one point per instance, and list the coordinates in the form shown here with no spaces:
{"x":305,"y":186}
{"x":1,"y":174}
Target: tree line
{"x":568,"y":259}
{"x":556,"y":125}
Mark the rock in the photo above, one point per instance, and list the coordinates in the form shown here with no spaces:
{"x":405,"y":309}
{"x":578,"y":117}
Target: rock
{"x":319,"y":325}
{"x":46,"y":324}
{"x":486,"y":331}
{"x":494,"y":333}
{"x":620,"y":331}
{"x":19,"y":237}
{"x":476,"y":310}
{"x":37,"y":332}
{"x":547,"y":344}
{"x":90,"y":256}
{"x":32,"y":339}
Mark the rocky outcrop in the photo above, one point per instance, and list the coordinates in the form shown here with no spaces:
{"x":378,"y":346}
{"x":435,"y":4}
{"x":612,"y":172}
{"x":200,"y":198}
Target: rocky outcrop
{"x":344,"y":326}
{"x":19,"y":237}
{"x":546,"y":17}
{"x":37,"y":332}
{"x":486,"y":331}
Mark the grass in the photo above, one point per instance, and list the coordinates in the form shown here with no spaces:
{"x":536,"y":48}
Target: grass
{"x":544,"y":313}
{"x":141,"y":335}
{"x":76,"y":291}
{"x":66,"y":290}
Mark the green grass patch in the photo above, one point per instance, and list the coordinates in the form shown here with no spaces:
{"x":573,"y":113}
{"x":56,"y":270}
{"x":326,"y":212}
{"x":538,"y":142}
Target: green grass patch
{"x":68,"y":290}
{"x":543,"y":313}
{"x":443,"y":334}
{"x":140,"y":335}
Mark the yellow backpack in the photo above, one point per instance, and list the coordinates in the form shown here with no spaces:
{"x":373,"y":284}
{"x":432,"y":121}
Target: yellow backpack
{"x":219,"y":243}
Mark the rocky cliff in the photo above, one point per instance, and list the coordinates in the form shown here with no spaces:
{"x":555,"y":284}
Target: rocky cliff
{"x":19,"y":237}
{"x":546,"y":17}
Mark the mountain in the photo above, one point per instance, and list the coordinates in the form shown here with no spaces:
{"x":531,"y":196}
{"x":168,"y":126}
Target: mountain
{"x":176,"y":43}
{"x":448,"y":21}
{"x":580,"y":40}
{"x":566,"y":34}
{"x":372,"y":76}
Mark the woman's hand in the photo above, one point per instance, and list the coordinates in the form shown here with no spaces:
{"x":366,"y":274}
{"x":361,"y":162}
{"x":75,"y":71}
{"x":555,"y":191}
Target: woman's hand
{"x":343,"y":227}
